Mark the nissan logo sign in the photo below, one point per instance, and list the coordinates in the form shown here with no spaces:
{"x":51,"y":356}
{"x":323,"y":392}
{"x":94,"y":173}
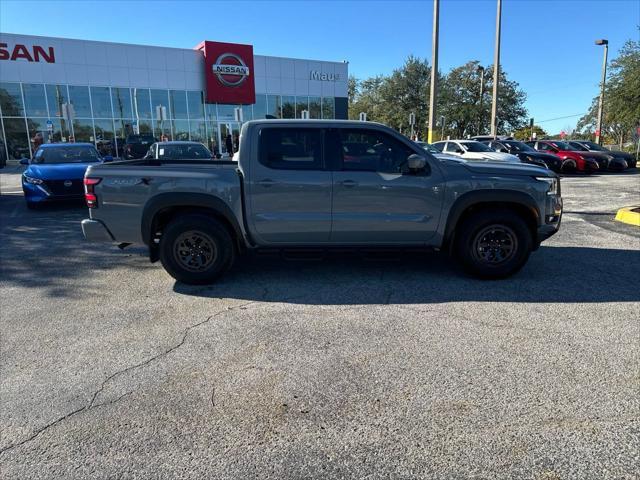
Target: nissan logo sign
{"x":230,"y":74}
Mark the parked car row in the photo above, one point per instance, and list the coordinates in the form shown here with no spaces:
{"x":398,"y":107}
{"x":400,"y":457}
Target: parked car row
{"x":57,"y":170}
{"x":559,"y":156}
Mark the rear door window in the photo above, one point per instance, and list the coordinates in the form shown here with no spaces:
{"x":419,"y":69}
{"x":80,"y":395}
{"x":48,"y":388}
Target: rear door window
{"x":291,"y":148}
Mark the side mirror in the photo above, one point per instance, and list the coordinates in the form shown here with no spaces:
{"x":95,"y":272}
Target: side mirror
{"x":503,"y":150}
{"x":107,"y":158}
{"x":24,"y":161}
{"x":416,"y":163}
{"x":460,"y":151}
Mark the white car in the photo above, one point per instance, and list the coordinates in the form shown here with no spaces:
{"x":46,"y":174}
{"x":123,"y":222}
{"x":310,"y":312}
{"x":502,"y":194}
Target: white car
{"x":472,"y":150}
{"x":436,"y":153}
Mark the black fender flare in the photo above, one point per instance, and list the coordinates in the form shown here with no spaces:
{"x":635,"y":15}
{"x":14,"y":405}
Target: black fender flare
{"x":182,"y":200}
{"x":476,"y":197}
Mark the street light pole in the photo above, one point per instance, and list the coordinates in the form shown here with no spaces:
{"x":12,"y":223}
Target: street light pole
{"x":496,"y":70}
{"x":481,"y":73}
{"x":434,"y":70}
{"x":604,"y":42}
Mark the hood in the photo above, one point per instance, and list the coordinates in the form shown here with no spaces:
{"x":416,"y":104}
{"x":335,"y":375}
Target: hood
{"x":595,"y":155}
{"x":506,"y":168}
{"x":623,"y":155}
{"x":494,"y":156}
{"x":58,"y":171}
{"x":541,"y":155}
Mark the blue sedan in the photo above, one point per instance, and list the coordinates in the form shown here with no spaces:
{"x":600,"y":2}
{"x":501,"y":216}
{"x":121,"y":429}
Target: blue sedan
{"x":56,"y":172}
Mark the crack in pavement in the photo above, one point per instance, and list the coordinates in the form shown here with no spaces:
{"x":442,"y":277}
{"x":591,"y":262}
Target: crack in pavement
{"x":92,"y":403}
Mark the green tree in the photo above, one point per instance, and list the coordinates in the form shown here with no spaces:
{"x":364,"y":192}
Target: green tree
{"x":524,"y":133}
{"x":390,"y":100}
{"x":621,"y":110}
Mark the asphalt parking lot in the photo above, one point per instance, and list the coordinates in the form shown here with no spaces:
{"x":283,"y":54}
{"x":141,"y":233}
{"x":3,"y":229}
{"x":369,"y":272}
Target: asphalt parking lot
{"x":340,"y":368}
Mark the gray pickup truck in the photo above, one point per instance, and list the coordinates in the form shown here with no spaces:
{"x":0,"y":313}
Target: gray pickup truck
{"x":322,"y":184}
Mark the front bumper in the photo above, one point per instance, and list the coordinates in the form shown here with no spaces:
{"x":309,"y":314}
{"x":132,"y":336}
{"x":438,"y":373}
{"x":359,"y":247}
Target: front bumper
{"x":96,"y":231}
{"x":551,"y":222}
{"x":40,"y":193}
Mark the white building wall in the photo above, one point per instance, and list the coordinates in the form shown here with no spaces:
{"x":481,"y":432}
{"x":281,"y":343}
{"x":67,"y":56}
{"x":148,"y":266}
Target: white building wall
{"x":84,"y":62}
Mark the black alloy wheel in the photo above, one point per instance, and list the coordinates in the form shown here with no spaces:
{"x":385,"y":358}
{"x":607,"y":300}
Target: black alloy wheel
{"x":493,"y":243}
{"x":196,"y":249}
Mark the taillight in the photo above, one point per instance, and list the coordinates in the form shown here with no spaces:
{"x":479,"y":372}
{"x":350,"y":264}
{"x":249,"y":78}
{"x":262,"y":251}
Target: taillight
{"x":89,"y":191}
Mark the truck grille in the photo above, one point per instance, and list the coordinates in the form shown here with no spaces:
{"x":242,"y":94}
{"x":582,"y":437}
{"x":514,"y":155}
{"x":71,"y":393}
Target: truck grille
{"x":57,"y":187}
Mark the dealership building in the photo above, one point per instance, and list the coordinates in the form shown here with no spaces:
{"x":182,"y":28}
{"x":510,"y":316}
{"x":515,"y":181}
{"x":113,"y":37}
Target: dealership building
{"x":63,"y":90}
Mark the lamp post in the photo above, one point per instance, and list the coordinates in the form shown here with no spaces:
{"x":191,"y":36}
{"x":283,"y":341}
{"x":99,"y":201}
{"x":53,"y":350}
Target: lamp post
{"x":604,"y":42}
{"x":481,"y":73}
{"x":496,"y":71}
{"x":433,"y":92}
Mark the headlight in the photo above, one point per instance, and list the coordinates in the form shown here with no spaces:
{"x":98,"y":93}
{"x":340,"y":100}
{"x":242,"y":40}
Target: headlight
{"x":34,"y":181}
{"x":554,"y":184}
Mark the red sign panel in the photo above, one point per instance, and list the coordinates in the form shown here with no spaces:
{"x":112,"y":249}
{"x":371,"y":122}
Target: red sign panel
{"x":229,"y":73}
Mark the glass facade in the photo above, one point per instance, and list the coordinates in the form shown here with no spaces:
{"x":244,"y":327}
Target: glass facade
{"x":35,"y":113}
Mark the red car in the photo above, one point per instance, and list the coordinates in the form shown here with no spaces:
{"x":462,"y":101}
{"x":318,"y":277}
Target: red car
{"x":572,"y":159}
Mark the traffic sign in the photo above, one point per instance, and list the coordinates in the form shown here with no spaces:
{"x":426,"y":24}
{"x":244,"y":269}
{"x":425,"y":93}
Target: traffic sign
{"x":49,"y":126}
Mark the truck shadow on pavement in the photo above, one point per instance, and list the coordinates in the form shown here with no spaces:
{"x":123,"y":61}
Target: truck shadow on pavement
{"x":45,"y":250}
{"x":552,"y":275}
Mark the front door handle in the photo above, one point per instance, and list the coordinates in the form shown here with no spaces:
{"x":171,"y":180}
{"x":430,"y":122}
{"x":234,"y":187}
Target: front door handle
{"x":349,"y":183}
{"x":267,"y":182}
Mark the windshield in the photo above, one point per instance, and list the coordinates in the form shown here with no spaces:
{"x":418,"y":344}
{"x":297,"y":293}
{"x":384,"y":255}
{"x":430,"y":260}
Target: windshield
{"x":187,"y":151}
{"x":562,"y":145}
{"x":428,"y":147}
{"x":595,"y":146}
{"x":579,"y":147}
{"x":519,"y":146}
{"x":67,"y":154}
{"x":476,"y":147}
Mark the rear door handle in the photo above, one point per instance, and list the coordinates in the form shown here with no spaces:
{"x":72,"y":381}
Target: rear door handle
{"x":349,"y":183}
{"x":267,"y":182}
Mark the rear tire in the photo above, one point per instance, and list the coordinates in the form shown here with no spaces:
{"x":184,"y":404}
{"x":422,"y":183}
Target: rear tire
{"x":196,"y":249}
{"x":493,"y":244}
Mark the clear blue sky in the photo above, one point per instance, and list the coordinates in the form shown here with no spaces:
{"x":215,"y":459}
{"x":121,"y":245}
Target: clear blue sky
{"x":547,"y":45}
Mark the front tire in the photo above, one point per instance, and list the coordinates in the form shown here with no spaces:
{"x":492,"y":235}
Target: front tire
{"x":493,"y":244}
{"x":196,"y":249}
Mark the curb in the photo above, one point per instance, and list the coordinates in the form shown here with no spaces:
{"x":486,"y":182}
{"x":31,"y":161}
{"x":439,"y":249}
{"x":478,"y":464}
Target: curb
{"x":629,"y":215}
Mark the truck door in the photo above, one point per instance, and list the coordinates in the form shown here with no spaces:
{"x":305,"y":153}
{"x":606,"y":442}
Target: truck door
{"x":289,"y":188}
{"x":376,"y":199}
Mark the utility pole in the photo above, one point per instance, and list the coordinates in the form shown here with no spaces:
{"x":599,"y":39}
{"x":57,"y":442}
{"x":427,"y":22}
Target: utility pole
{"x":481,"y":73}
{"x":604,"y":42}
{"x":434,"y":70}
{"x":496,"y":71}
{"x":441,"y":123}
